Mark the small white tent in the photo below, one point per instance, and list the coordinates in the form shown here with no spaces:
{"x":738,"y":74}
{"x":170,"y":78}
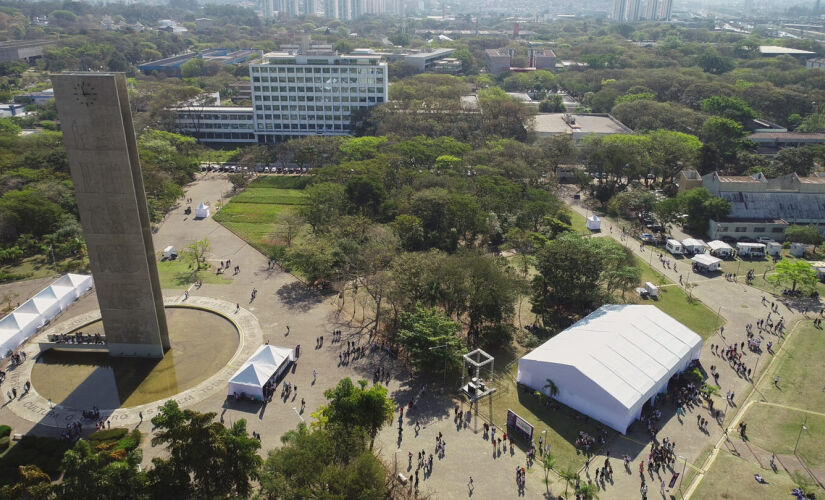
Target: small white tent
{"x":249,"y":381}
{"x":719,"y":248}
{"x":265,"y":363}
{"x":594,"y":223}
{"x":610,"y":363}
{"x":706,"y":263}
{"x":202,"y":211}
{"x":692,"y":245}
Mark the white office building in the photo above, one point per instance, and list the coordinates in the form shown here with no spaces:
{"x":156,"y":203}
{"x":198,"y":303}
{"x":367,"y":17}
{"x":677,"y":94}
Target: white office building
{"x":313,"y":93}
{"x":216,"y":124}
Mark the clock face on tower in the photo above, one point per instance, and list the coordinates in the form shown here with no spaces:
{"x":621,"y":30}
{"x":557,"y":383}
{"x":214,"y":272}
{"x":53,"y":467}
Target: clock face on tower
{"x":85,"y":93}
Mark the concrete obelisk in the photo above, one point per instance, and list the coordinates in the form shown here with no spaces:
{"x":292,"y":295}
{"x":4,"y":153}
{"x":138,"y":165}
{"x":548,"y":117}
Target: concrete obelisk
{"x":103,"y":158}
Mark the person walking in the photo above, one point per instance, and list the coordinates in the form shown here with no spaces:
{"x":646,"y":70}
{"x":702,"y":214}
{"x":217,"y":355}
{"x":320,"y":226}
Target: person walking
{"x":470,"y":485}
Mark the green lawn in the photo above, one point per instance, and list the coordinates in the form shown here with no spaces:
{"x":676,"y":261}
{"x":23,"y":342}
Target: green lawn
{"x":253,"y":213}
{"x":38,"y":266}
{"x":674,"y":301}
{"x":579,"y":223}
{"x":776,"y":430}
{"x":800,"y":370}
{"x":562,"y":425}
{"x":732,"y":477}
{"x":180,"y":273}
{"x":271,"y":196}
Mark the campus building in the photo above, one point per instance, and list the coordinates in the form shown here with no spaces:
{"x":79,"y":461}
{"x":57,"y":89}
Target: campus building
{"x":216,"y":124}
{"x":314,"y":93}
{"x":766,"y":207}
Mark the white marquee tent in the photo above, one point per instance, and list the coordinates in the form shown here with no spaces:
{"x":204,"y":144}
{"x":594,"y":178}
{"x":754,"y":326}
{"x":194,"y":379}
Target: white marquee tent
{"x":267,"y":362}
{"x":36,"y":312}
{"x":693,"y":245}
{"x":609,"y":364}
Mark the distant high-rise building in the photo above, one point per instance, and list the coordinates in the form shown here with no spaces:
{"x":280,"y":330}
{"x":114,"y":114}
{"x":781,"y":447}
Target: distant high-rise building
{"x":619,"y":10}
{"x":331,"y":9}
{"x":665,"y":10}
{"x":309,"y":7}
{"x":634,"y":10}
{"x":650,"y":9}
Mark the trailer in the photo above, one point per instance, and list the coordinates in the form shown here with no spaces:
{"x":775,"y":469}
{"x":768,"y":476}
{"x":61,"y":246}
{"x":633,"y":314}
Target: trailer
{"x":674,"y":247}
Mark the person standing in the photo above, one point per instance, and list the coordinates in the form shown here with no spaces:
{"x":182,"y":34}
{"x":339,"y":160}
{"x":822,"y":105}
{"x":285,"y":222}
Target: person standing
{"x":470,"y":485}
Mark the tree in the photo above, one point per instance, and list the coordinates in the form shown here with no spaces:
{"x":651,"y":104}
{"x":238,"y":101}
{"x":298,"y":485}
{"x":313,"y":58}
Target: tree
{"x":430,"y":339}
{"x":192,"y":68}
{"x":548,"y":462}
{"x":288,"y":224}
{"x":587,"y":491}
{"x":724,"y":134}
{"x":206,"y":460}
{"x":326,"y":201}
{"x":795,"y":272}
{"x":672,"y":152}
{"x":197,"y":251}
{"x":700,"y":207}
{"x":733,"y":108}
{"x":330,"y":460}
{"x":810,"y":235}
{"x":574,"y":273}
{"x":356,"y":406}
{"x":712,"y":62}
{"x":90,"y":473}
{"x":238,"y":180}
{"x":569,"y":476}
{"x":410,"y":231}
{"x":554,"y":104}
{"x":552,"y":388}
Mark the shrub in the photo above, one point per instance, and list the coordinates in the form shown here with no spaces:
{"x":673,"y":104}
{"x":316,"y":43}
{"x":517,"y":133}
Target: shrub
{"x":4,"y":443}
{"x":5,"y":430}
{"x":129,"y":442}
{"x":108,"y":434}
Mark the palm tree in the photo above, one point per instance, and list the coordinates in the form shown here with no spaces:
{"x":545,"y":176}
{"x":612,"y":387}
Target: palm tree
{"x":587,"y":491}
{"x":548,"y":463}
{"x":552,"y":388}
{"x":569,"y":476}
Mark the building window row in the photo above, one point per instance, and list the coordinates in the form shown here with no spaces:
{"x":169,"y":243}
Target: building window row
{"x":370,"y":79}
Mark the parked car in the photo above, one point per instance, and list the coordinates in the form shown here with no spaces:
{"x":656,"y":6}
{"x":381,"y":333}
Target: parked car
{"x":266,"y":170}
{"x":764,"y":239}
{"x":647,"y":238}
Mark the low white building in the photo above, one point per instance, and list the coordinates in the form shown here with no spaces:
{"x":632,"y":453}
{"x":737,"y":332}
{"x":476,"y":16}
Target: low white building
{"x":612,"y":362}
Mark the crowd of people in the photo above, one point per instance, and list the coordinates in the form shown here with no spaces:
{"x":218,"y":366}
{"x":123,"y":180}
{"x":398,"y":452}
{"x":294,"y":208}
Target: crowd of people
{"x":78,"y":338}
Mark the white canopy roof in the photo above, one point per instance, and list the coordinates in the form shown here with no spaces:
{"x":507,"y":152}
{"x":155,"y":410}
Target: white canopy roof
{"x":750,"y":245}
{"x":705,"y":259}
{"x":610,"y":363}
{"x":693,"y":242}
{"x":24,"y":321}
{"x":716,"y":245}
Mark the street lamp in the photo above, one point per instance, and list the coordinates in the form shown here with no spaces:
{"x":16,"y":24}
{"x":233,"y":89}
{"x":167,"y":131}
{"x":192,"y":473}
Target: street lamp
{"x":299,"y":415}
{"x":803,"y":428}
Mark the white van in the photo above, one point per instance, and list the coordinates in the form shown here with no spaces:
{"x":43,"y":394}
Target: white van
{"x":674,"y":247}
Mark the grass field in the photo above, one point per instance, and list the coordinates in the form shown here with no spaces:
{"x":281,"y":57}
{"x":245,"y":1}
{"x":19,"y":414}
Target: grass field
{"x":800,"y":370}
{"x":562,"y":425}
{"x":579,"y":223}
{"x":39,"y":266}
{"x":732,"y":477}
{"x":253,"y":213}
{"x":180,"y":273}
{"x":674,"y":301}
{"x":777,"y":429}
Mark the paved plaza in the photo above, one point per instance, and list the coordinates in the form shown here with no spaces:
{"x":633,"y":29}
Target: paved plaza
{"x":289,"y":314}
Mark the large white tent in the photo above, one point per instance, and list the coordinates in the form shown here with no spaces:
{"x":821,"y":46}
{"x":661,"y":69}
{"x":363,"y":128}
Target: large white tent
{"x":266,"y":362}
{"x":202,"y":212}
{"x":36,"y":312}
{"x":609,"y":364}
{"x":704,"y":262}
